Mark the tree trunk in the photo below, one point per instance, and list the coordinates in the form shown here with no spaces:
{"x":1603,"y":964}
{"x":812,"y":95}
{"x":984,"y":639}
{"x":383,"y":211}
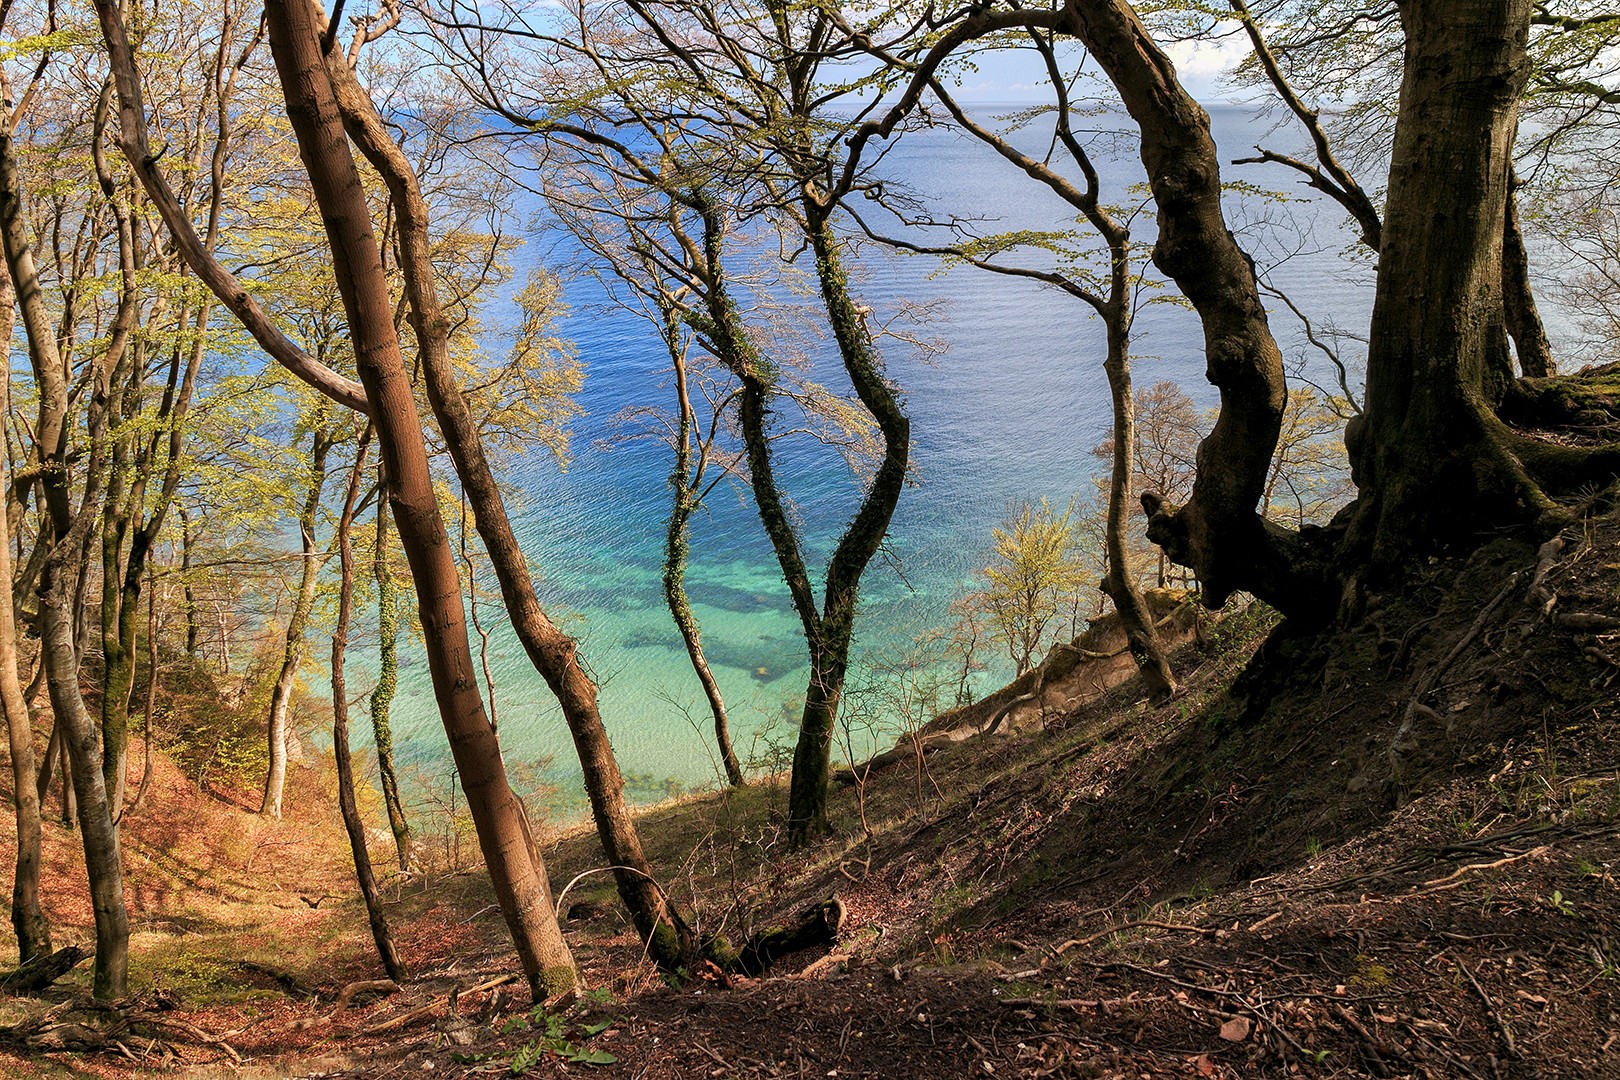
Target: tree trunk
{"x":188,"y":540}
{"x":382,"y":696}
{"x":70,"y":533}
{"x":340,"y":730}
{"x":1518,"y":298}
{"x":33,"y":930}
{"x":675,"y":549}
{"x":292,"y":653}
{"x":829,"y":645}
{"x":1120,"y":583}
{"x":551,"y":651}
{"x":1218,"y":533}
{"x":1430,"y":459}
{"x":508,"y":847}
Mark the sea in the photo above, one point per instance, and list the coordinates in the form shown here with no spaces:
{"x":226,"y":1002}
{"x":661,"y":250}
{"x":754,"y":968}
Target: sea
{"x":1010,"y":408}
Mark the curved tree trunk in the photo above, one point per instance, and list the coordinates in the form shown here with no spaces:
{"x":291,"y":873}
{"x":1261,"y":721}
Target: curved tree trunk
{"x":835,"y":629}
{"x":33,"y":930}
{"x":675,"y":549}
{"x":382,"y":696}
{"x":70,"y":533}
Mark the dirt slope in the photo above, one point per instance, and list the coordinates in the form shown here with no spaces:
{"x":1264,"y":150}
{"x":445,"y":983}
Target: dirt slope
{"x":1386,"y":852}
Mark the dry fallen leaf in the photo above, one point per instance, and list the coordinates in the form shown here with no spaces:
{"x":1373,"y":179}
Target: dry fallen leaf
{"x":1235,"y":1029}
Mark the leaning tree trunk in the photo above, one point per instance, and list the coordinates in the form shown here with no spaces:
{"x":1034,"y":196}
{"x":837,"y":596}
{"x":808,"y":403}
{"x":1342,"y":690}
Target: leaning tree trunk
{"x":553,"y":653}
{"x":510,"y":853}
{"x":340,"y":730}
{"x":292,"y":651}
{"x":382,"y":695}
{"x":1218,"y":533}
{"x":1430,"y":459}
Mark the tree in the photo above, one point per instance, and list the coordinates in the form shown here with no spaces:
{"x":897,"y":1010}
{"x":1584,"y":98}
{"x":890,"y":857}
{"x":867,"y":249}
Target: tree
{"x":1035,"y":569}
{"x":297,"y":45}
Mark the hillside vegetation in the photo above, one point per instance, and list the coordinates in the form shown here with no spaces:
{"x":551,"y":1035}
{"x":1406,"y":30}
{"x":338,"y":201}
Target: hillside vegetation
{"x":1385,"y":852}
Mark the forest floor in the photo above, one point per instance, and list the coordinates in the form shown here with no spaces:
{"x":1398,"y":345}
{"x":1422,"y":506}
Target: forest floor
{"x":1388,"y":852}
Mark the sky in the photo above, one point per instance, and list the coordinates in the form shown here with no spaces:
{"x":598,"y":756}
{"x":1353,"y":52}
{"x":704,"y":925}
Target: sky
{"x":1019,"y":76}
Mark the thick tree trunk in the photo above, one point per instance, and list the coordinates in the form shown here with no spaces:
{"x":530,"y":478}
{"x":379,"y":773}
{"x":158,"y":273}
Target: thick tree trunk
{"x":1430,"y":458}
{"x":340,"y":731}
{"x":552,"y":652}
{"x":509,"y":850}
{"x":382,"y":695}
{"x":292,"y":652}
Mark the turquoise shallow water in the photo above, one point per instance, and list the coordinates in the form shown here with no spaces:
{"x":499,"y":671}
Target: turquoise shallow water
{"x":1011,"y":409}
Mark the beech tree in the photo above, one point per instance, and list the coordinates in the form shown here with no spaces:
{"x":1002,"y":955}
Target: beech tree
{"x":1435,"y":463}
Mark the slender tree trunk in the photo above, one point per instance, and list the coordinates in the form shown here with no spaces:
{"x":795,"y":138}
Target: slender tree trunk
{"x":552,"y":652}
{"x":33,"y":930}
{"x":675,"y":549}
{"x":1120,"y":584}
{"x":340,"y":730}
{"x":292,"y":654}
{"x":187,"y":541}
{"x":510,"y":853}
{"x":382,"y":696}
{"x":70,"y":534}
{"x":151,"y":696}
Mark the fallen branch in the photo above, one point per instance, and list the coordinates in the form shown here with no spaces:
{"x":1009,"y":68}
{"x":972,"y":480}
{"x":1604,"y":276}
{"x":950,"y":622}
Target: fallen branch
{"x":1500,"y":1024}
{"x":417,"y":1013}
{"x":1099,"y":935}
{"x":1452,"y":880}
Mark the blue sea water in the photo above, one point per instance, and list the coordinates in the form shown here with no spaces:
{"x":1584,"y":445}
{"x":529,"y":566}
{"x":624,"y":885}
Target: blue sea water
{"x":1011,"y":409}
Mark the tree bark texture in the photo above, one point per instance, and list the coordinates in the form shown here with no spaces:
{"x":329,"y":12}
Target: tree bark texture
{"x":834,"y":628}
{"x":33,"y":930}
{"x":303,"y":601}
{"x":1430,"y":458}
{"x":1218,"y":533}
{"x":552,"y":652}
{"x":509,"y":850}
{"x":1519,"y":299}
{"x":69,"y":534}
